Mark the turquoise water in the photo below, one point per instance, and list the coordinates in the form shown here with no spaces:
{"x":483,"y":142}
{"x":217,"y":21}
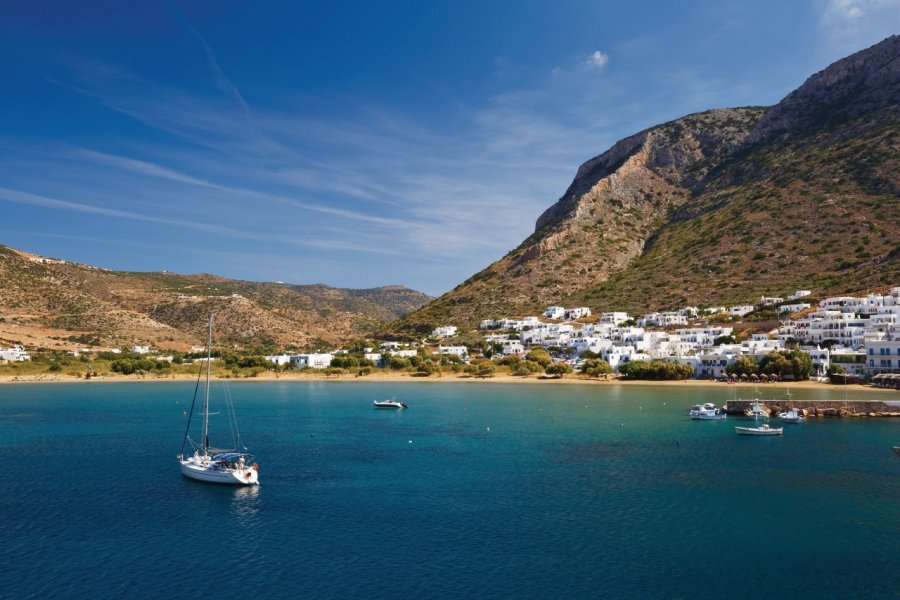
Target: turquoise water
{"x":488,"y":491}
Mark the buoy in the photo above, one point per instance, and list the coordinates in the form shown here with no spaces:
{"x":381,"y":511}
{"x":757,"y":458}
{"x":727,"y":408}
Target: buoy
{"x":488,"y":428}
{"x":184,"y":412}
{"x":410,"y":441}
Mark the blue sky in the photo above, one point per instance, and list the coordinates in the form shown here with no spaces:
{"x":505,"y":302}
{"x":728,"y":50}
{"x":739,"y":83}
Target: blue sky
{"x":358,"y":144}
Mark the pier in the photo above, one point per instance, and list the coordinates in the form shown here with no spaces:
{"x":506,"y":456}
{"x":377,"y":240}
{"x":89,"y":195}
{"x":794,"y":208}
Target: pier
{"x":822,"y":408}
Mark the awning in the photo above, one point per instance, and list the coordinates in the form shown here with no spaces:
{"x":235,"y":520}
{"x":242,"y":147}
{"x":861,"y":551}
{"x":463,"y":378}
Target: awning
{"x":227,"y":456}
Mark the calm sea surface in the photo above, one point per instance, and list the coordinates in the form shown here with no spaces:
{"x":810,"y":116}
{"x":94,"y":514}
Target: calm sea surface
{"x":476,"y":491}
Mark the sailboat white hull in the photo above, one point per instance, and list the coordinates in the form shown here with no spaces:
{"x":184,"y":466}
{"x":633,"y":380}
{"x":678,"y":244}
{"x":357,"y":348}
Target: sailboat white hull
{"x":213,"y":473}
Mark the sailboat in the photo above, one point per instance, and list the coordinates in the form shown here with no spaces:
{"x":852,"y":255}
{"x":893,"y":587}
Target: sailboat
{"x":216,"y":465}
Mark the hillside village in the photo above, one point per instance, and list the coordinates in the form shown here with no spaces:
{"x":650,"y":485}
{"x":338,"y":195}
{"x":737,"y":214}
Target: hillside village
{"x":856,"y":337}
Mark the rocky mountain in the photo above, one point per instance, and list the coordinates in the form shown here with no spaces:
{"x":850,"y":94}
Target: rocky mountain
{"x":718,"y":207}
{"x":54,"y":303}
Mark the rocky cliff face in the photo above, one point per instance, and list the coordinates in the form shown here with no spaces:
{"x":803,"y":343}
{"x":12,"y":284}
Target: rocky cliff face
{"x":866,"y":82}
{"x":718,"y":206}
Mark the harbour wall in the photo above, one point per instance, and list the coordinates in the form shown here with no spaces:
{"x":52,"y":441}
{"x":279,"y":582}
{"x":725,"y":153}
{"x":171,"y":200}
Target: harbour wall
{"x":823,"y":408}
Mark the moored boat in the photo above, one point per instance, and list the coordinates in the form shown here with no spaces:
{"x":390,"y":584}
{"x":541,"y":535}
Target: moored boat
{"x":228,"y":466}
{"x":763,"y":429}
{"x":792,"y":416}
{"x":389,"y":404}
{"x":706,"y":412}
{"x":757,"y":409}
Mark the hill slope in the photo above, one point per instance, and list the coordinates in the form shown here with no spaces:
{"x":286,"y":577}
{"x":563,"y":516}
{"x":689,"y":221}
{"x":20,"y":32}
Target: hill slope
{"x":720,"y":206}
{"x":55,"y":303}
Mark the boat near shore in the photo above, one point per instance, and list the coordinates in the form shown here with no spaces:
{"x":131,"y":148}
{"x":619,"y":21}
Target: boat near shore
{"x":390,"y":404}
{"x":763,"y":429}
{"x":706,"y":412}
{"x":792,"y":416}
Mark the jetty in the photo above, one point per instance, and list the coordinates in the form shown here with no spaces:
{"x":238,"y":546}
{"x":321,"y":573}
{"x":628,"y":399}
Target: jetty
{"x":822,"y":408}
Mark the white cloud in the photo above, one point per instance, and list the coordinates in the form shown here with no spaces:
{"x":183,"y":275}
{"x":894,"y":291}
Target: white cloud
{"x":851,"y":25}
{"x":845,"y":10}
{"x":597,"y":60}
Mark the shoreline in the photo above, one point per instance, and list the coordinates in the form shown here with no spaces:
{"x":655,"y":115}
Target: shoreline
{"x":407,"y":377}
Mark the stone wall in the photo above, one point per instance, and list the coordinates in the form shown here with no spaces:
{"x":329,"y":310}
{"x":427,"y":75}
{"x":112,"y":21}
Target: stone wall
{"x":823,"y":408}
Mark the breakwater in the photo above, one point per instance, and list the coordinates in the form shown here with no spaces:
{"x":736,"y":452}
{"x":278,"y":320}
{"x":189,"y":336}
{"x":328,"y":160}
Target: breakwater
{"x":823,"y":408}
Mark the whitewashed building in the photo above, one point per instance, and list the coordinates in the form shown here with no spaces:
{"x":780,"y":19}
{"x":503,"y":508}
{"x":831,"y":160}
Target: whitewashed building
{"x":883,"y":352}
{"x":791,"y":308}
{"x":614,"y":318}
{"x":577,"y":313}
{"x":460,"y":351}
{"x":555,"y":312}
{"x":279,"y":359}
{"x":313,"y":361}
{"x":703,"y":336}
{"x":444,"y":331}
{"x":740,"y":311}
{"x":15,"y":354}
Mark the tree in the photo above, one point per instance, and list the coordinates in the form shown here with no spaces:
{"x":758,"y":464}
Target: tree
{"x":794,"y":363}
{"x":724,"y":339}
{"x":558,"y":369}
{"x":540,"y":356}
{"x":425,"y":368}
{"x":595,"y":367}
{"x":398,"y":363}
{"x":486,"y":369}
{"x":836,"y":374}
{"x":743,"y":365}
{"x":655,"y":369}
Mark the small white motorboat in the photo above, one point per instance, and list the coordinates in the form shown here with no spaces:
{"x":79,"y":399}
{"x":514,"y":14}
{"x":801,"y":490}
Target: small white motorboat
{"x":763,"y":429}
{"x":792,"y":416}
{"x":389,"y":404}
{"x":706,"y":412}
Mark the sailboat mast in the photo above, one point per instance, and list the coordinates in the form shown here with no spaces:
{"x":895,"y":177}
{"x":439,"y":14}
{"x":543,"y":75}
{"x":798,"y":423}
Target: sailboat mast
{"x":205,"y":441}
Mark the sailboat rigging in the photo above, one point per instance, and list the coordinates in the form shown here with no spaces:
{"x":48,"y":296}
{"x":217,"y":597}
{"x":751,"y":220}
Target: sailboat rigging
{"x":216,"y":465}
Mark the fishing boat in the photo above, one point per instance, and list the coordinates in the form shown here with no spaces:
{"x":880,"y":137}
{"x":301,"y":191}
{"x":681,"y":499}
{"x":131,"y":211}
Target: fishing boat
{"x":389,"y":404}
{"x":763,"y":429}
{"x":792,"y":416}
{"x":706,"y":412}
{"x":216,"y":465}
{"x":757,"y":409}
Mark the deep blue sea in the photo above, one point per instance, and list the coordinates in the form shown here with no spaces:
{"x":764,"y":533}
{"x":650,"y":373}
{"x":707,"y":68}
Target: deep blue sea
{"x":475,"y":491}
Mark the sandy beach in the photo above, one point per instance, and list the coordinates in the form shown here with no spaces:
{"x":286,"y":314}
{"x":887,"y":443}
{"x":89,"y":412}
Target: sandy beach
{"x":393,"y":377}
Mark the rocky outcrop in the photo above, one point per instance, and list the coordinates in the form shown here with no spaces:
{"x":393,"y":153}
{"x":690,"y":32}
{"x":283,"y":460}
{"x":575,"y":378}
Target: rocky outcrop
{"x":718,"y":207}
{"x":848,"y":89}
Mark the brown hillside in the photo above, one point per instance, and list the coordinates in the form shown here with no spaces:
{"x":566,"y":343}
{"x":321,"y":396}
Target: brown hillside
{"x":54,"y":303}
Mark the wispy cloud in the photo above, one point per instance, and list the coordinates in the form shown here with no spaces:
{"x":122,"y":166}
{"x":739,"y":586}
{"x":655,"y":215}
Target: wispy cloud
{"x":142,"y":167}
{"x":455,"y":196}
